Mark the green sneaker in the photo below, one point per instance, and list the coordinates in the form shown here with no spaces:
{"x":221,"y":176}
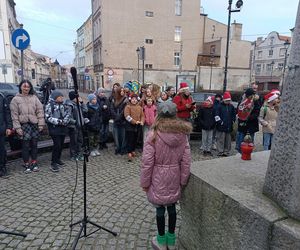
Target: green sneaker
{"x":171,"y":240}
{"x":159,"y":242}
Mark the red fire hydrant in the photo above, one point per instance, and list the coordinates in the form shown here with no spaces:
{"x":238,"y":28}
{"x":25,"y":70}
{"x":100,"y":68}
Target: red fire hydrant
{"x":247,"y":147}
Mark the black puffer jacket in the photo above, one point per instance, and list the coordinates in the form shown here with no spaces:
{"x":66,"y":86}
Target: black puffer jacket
{"x":94,"y":116}
{"x":206,"y":117}
{"x":226,"y":115}
{"x":105,"y":112}
{"x":5,"y":118}
{"x":117,"y":111}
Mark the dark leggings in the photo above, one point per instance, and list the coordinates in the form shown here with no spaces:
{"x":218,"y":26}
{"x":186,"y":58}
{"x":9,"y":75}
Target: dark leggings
{"x":160,"y":219}
{"x":29,"y":149}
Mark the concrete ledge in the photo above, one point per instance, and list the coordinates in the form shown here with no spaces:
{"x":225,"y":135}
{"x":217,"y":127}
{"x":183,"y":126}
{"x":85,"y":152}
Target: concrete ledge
{"x":223,"y":206}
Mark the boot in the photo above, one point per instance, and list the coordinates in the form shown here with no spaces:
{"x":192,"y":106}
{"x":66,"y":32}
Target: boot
{"x":171,"y":240}
{"x":159,"y":242}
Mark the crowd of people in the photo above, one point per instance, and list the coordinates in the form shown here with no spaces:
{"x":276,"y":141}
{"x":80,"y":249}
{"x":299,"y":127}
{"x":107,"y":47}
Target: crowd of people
{"x":160,"y":121}
{"x":133,"y":115}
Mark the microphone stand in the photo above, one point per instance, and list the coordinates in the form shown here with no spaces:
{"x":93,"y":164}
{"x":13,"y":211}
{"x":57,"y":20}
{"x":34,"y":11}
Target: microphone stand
{"x":84,"y":221}
{"x":13,"y":233}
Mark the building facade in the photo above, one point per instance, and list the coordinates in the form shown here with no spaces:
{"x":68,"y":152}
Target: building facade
{"x":269,"y":60}
{"x":171,"y":48}
{"x":211,"y":60}
{"x":9,"y":55}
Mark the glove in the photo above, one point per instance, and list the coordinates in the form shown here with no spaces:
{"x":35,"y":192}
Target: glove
{"x":86,"y":120}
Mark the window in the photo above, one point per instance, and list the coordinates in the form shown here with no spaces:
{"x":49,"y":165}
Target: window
{"x":271,"y":40}
{"x":270,"y":66}
{"x":270,"y":52}
{"x":259,"y":54}
{"x":149,"y":41}
{"x":282,"y":52}
{"x":176,"y":58}
{"x":280,"y":66}
{"x":178,"y":7}
{"x":258,"y":68}
{"x":177,"y":37}
{"x":149,"y":13}
{"x":212,"y":49}
{"x":148,"y":66}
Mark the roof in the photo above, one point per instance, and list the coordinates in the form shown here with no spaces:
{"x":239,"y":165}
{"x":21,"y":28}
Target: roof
{"x":284,"y":38}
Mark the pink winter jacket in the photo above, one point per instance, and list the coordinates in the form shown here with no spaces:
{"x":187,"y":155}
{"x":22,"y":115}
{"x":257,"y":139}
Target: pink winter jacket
{"x":150,"y":113}
{"x":165,"y":166}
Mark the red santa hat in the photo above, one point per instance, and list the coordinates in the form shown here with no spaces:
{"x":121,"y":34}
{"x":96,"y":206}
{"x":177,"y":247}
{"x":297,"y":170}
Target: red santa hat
{"x":183,"y":86}
{"x":226,"y":96}
{"x":266,"y":97}
{"x":272,"y":97}
{"x":275,"y":91}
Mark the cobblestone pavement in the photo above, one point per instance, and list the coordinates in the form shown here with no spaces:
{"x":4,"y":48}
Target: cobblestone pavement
{"x":39,"y":204}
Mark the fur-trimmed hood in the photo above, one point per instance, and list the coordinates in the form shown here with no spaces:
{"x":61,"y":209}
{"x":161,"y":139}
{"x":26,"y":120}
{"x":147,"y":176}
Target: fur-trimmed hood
{"x":173,"y":131}
{"x":173,"y":125}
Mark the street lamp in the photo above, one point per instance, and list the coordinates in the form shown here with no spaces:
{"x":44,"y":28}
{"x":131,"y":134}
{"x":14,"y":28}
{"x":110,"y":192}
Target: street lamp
{"x":57,"y":65}
{"x":238,"y":7}
{"x":138,"y":61}
{"x":211,"y":64}
{"x":286,"y":46}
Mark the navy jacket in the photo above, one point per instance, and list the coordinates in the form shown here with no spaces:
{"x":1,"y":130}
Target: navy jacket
{"x":206,"y":117}
{"x":227,"y":118}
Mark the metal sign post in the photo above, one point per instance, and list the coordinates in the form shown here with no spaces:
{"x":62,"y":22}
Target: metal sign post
{"x":21,"y":40}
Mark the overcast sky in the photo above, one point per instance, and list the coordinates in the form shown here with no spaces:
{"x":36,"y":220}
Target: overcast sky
{"x":52,"y":24}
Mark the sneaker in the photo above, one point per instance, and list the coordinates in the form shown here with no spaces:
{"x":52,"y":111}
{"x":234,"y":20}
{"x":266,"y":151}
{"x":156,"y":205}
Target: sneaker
{"x":60,"y":163}
{"x":93,"y":153}
{"x":204,"y":153}
{"x":171,"y":240}
{"x":97,"y":152}
{"x":27,"y":168}
{"x":80,"y":157}
{"x":54,"y":167}
{"x":220,"y":154}
{"x":34,"y":167}
{"x":159,"y":246}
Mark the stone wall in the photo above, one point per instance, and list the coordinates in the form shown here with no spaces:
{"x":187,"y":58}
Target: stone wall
{"x":223,"y":208}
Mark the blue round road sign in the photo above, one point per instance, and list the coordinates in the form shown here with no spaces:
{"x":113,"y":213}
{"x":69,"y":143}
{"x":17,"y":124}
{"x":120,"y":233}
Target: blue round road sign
{"x":20,"y":39}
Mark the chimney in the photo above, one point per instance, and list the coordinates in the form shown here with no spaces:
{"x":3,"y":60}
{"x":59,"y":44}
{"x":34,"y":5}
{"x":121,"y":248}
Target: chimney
{"x":236,"y":31}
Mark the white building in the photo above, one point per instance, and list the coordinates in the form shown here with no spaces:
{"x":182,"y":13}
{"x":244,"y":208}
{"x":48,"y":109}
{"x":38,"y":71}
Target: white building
{"x":9,"y":55}
{"x":269,"y":60}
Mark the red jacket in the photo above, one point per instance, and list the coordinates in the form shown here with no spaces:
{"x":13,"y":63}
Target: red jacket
{"x":182,"y":111}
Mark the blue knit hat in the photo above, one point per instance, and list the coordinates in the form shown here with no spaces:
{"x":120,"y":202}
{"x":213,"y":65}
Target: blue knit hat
{"x":55,"y":94}
{"x":91,"y":97}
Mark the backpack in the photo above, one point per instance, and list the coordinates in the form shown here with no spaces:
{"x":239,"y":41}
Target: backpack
{"x":265,"y":111}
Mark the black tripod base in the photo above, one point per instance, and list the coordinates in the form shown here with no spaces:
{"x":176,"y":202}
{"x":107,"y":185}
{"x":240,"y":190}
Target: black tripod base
{"x":83,"y":228}
{"x":13,"y":233}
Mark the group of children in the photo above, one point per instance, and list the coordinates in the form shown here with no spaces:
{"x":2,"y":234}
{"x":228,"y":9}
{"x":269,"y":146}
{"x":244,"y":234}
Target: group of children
{"x":217,"y":116}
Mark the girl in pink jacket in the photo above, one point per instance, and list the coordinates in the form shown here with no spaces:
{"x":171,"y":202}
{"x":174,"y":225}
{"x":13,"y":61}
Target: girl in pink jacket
{"x":149,"y":113}
{"x":165,"y":169}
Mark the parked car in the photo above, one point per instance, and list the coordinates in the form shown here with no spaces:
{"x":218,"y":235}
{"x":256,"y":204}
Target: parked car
{"x":9,"y":90}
